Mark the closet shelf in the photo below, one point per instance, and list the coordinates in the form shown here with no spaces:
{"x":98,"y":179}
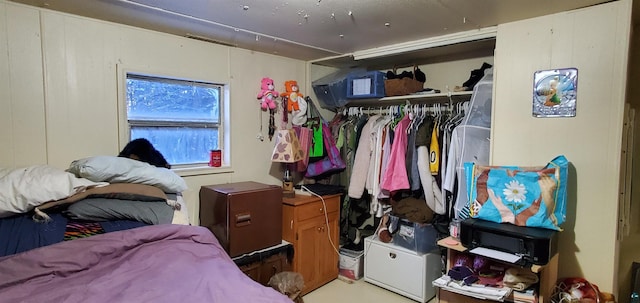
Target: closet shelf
{"x":439,"y":98}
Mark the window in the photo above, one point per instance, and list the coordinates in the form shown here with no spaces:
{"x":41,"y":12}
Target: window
{"x":180,"y":118}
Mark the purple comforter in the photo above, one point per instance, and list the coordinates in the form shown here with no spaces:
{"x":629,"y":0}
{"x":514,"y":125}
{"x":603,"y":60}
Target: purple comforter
{"x":159,"y":263}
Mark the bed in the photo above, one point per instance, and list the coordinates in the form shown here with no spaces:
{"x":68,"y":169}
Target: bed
{"x":49,"y":254}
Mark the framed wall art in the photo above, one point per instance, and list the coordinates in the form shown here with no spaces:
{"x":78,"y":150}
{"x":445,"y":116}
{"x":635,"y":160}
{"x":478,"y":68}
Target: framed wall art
{"x":555,"y":92}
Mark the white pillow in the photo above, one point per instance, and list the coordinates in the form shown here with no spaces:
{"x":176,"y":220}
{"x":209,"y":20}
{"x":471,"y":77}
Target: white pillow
{"x":25,"y":188}
{"x":124,"y":170}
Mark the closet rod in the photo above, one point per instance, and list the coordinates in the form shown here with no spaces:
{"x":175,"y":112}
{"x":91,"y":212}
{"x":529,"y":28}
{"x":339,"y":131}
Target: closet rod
{"x":440,"y":98}
{"x":415,"y":108}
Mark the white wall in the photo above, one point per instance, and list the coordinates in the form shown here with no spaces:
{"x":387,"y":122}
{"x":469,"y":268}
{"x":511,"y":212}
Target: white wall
{"x":22,"y":123}
{"x":595,"y":41}
{"x":58,"y":102}
{"x":59,"y":98}
{"x":629,"y":251}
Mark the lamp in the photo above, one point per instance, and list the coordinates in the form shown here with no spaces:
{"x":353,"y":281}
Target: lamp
{"x":287,"y":150}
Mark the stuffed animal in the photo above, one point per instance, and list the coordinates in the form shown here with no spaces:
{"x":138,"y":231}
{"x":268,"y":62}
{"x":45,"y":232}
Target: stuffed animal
{"x":292,"y":94}
{"x":267,"y":94}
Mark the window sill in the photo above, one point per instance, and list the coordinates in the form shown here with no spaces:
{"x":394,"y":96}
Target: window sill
{"x":202,"y":170}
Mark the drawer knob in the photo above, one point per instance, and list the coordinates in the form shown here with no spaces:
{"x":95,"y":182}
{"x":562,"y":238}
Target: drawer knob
{"x":320,"y":209}
{"x":392,"y":255}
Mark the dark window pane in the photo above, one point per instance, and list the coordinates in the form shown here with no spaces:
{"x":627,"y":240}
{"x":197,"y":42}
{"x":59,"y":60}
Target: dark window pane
{"x":180,"y":145}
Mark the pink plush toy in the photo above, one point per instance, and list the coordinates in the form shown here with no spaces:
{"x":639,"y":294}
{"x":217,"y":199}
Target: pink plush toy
{"x":267,"y":94}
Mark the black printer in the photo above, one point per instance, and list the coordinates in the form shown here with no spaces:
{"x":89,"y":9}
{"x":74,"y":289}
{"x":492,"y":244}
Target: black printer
{"x":533,"y":245}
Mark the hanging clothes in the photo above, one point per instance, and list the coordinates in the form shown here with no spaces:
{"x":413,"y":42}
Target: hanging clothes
{"x":392,"y":153}
{"x":434,"y":152}
{"x":384,"y":158}
{"x":430,"y":188}
{"x":378,"y":136}
{"x":395,"y":177}
{"x":470,"y":143}
{"x":411,"y":159}
{"x":362,"y":159}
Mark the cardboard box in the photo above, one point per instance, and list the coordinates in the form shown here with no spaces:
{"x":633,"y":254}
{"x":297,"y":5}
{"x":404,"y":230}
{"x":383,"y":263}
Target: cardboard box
{"x":351,"y":264}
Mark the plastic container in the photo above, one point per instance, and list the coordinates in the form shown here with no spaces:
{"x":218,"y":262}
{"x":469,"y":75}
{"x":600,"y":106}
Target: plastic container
{"x":365,"y":85}
{"x":351,"y":264}
{"x":331,"y":90}
{"x":417,"y":237}
{"x":454,"y":228}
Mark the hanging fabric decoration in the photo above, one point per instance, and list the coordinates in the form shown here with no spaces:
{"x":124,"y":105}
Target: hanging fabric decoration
{"x":285,"y":113}
{"x":272,"y":123}
{"x":260,"y":135}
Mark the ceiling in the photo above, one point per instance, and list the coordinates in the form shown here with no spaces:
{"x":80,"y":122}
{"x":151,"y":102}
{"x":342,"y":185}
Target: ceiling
{"x":311,"y":29}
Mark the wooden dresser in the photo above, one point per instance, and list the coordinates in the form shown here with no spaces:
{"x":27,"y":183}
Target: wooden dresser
{"x":304,"y":225}
{"x":263,"y":264}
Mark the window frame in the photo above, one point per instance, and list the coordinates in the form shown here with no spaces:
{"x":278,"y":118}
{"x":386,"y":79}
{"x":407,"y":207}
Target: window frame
{"x":222,"y":124}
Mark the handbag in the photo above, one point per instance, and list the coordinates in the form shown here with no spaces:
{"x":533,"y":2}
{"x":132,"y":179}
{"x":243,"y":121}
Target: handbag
{"x":304,"y":137}
{"x":316,"y":149}
{"x":314,"y":122}
{"x":332,"y":161}
{"x":523,"y":196}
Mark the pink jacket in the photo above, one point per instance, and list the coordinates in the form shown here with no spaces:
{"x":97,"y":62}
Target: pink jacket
{"x":395,"y":177}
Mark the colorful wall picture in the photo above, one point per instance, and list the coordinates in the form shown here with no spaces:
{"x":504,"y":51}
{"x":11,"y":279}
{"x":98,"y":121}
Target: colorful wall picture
{"x":554,"y":92}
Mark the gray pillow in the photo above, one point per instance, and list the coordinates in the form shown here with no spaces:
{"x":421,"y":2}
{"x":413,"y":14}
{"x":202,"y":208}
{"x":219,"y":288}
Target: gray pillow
{"x":124,"y":170}
{"x":103,"y":209}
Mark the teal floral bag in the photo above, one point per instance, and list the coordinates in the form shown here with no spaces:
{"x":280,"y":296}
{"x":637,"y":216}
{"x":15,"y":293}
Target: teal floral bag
{"x":524,"y":196}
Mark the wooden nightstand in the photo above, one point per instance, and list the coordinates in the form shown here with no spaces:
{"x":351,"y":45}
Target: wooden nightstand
{"x":305,"y":226}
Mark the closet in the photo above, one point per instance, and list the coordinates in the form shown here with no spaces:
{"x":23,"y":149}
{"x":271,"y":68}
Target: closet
{"x":548,"y":42}
{"x":446,"y":61}
{"x":447,"y":67}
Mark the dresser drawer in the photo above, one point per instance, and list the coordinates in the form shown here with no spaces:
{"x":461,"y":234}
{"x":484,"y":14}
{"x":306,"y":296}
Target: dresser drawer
{"x":314,"y":209}
{"x":252,"y":270}
{"x":401,"y":270}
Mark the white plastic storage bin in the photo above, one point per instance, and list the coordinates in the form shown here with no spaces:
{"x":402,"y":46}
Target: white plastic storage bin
{"x":401,"y":270}
{"x":351,"y":264}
